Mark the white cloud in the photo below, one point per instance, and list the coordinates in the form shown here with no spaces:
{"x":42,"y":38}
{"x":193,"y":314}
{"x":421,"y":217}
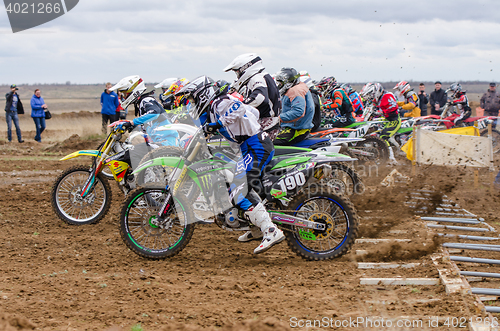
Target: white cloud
{"x":355,"y":41}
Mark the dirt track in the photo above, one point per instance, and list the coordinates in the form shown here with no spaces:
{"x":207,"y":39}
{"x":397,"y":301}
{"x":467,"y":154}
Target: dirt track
{"x":63,"y":277}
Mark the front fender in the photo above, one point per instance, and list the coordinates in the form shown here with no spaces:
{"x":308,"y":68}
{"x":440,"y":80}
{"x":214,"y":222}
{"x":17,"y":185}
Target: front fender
{"x":167,"y":161}
{"x":93,"y":153}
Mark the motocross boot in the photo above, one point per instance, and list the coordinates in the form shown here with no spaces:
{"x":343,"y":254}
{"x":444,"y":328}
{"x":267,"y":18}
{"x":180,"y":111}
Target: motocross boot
{"x":259,"y":216}
{"x":392,"y":159}
{"x":393,"y":141}
{"x":253,"y":234}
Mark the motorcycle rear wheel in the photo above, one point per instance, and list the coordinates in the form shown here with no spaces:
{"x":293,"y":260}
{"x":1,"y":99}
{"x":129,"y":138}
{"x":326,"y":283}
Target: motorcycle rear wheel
{"x":336,"y":212}
{"x":373,"y":145}
{"x":157,"y":174}
{"x":345,"y":180}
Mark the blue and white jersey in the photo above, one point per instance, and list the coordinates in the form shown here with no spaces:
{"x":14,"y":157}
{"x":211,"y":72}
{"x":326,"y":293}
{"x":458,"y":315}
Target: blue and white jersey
{"x":239,"y":121}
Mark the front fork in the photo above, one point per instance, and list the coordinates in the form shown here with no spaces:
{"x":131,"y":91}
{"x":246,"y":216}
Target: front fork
{"x":90,"y":182}
{"x":178,"y":180}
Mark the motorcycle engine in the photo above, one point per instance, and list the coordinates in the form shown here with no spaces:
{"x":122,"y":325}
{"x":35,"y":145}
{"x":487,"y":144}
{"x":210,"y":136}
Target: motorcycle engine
{"x":232,"y":218}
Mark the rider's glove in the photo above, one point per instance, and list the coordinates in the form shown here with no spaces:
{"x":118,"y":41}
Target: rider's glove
{"x":211,"y":128}
{"x":125,"y":125}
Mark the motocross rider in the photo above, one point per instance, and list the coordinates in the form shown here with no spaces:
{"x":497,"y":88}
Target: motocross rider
{"x":316,"y":95}
{"x":217,"y":111}
{"x":150,"y":113}
{"x":166,"y":100}
{"x":340,"y":102}
{"x":387,"y":103}
{"x":258,"y":90}
{"x":357,"y":104}
{"x":177,"y":103}
{"x":411,"y":106}
{"x":298,"y":108}
{"x":461,"y":101}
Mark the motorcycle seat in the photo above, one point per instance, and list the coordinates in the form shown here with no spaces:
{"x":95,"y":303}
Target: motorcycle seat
{"x":308,"y":142}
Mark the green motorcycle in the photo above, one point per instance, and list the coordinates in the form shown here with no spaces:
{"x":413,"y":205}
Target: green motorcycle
{"x":157,"y":222}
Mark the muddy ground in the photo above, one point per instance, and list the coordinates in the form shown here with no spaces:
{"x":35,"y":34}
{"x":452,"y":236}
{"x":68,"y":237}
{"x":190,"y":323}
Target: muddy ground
{"x":59,"y":277}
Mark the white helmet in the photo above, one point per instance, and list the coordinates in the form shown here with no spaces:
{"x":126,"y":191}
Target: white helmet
{"x":131,"y":87}
{"x":245,"y":67}
{"x":165,"y":84}
{"x":306,"y":78}
{"x":402,"y":87}
{"x":372,"y":91}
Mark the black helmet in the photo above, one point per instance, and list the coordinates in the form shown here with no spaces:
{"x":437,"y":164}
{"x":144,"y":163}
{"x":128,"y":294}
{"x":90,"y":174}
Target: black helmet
{"x":222,"y":87}
{"x":286,"y":78}
{"x":200,"y":92}
{"x":332,"y":86}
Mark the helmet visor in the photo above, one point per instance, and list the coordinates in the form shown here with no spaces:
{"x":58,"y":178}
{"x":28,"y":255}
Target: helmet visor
{"x":238,"y":73}
{"x":193,"y":108}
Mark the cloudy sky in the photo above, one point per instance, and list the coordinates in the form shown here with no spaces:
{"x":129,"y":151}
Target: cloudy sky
{"x":355,"y":41}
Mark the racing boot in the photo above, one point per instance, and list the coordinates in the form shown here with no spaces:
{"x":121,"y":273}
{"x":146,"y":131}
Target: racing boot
{"x":392,"y":159}
{"x":253,"y":234}
{"x":259,"y":216}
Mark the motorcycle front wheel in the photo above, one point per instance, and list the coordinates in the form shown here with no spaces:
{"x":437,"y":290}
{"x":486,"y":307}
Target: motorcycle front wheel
{"x":66,"y":198}
{"x":145,"y":234}
{"x":337,"y":212}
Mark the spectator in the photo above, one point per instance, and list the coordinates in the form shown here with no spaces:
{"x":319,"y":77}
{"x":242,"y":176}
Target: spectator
{"x":422,"y":96}
{"x":438,"y":99}
{"x":110,"y":110}
{"x":38,"y":107}
{"x":13,"y":107}
{"x":490,"y":101}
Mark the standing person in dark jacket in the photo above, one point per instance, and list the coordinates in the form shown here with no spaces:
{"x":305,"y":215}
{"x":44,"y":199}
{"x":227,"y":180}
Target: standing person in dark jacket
{"x":38,"y":107}
{"x":110,"y":110}
{"x":13,"y":107}
{"x":422,"y":96}
{"x":490,"y":101}
{"x":438,"y":99}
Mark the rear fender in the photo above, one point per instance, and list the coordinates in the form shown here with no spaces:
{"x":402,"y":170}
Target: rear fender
{"x":341,"y":140}
{"x":92,"y":153}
